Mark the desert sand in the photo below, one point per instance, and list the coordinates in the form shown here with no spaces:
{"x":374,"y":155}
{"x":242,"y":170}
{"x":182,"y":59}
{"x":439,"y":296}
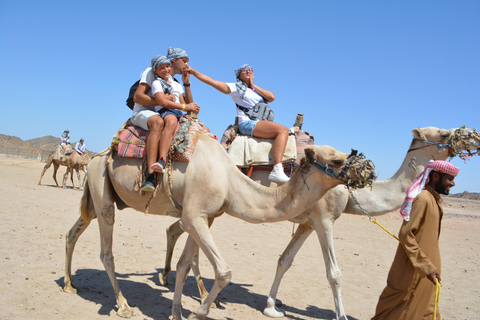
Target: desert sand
{"x":36,"y":218}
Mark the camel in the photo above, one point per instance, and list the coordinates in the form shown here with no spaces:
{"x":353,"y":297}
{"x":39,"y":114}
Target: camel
{"x":73,"y":161}
{"x":198,"y":192}
{"x":388,"y":195}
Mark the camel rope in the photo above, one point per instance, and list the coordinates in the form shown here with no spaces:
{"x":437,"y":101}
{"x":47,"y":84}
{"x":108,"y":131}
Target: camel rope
{"x":437,"y":283}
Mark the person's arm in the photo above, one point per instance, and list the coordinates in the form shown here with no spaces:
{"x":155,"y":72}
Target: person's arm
{"x":186,"y":86}
{"x":266,"y":94}
{"x":163,"y":101}
{"x":141,"y":96}
{"x":219,"y":85}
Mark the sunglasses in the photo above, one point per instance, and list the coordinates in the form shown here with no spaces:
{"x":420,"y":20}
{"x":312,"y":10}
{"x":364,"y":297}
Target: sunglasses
{"x":247,"y":70}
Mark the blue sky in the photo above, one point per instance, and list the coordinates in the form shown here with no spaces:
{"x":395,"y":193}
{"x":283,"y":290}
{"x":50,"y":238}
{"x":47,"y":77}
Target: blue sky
{"x":363,"y":73}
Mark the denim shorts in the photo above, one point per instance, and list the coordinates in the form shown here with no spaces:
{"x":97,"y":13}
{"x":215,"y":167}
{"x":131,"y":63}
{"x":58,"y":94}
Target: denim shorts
{"x":165,"y":112}
{"x":247,"y":127}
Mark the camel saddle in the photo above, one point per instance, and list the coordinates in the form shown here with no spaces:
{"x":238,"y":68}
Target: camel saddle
{"x":130,"y":141}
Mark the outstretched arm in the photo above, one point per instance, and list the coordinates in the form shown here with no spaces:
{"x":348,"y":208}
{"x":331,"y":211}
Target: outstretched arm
{"x":219,"y":85}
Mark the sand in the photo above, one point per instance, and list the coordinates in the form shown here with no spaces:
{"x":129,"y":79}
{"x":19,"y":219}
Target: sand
{"x":36,"y":218}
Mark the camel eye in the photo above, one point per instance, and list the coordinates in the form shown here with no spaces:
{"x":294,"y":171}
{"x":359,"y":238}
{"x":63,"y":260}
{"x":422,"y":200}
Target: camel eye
{"x":337,"y":163}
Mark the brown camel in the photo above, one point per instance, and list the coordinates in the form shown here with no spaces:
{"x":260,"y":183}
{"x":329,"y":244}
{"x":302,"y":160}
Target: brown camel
{"x":428,"y":143}
{"x":200,"y":190}
{"x":73,"y":161}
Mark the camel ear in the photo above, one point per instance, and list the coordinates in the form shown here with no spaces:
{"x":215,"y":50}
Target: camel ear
{"x":418,"y":134}
{"x":310,"y":154}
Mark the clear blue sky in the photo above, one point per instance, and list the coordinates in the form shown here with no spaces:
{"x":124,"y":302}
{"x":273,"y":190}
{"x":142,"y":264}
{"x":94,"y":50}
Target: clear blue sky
{"x":364,"y":73}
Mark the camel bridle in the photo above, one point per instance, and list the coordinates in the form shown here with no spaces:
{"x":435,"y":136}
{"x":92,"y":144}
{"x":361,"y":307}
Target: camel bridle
{"x":342,"y":175}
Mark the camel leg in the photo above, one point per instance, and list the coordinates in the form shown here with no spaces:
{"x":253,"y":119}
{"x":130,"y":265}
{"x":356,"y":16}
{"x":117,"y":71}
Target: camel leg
{"x":198,"y":229}
{"x":183,"y":267}
{"x":79,"y":179}
{"x":65,"y":178}
{"x":324,"y":229}
{"x":71,"y":239}
{"x":55,"y":169}
{"x":87,"y":214}
{"x":43,"y":172}
{"x":82,"y":185}
{"x":106,"y":219}
{"x":174,"y":231}
{"x":101,"y":193}
{"x":284,"y":263}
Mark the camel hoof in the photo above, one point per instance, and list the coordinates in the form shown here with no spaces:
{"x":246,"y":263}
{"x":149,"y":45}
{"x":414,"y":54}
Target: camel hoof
{"x":69,"y":289}
{"x":274,"y":312}
{"x":126,"y":313}
{"x":163,"y":279}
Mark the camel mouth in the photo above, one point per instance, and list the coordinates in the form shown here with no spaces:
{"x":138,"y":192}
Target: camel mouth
{"x":360,"y":171}
{"x":464,"y":142}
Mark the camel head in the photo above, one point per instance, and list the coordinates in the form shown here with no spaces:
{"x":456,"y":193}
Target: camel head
{"x":353,"y":170}
{"x":460,"y":141}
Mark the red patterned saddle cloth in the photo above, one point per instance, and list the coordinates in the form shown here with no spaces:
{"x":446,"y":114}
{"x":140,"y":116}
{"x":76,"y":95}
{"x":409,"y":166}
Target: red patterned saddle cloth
{"x":131,"y":141}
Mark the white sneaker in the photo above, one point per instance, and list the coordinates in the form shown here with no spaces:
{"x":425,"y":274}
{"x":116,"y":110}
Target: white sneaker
{"x":277,"y":174}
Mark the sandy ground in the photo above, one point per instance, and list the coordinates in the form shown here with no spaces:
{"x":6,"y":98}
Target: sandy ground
{"x":36,"y":218}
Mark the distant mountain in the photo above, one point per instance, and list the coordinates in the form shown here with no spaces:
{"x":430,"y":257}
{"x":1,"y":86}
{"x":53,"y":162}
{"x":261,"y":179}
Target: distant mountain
{"x":466,"y":195}
{"x":13,"y":142}
{"x":47,"y":143}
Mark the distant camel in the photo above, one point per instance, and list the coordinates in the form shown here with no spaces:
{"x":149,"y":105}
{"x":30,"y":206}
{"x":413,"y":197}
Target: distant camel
{"x":72,"y":161}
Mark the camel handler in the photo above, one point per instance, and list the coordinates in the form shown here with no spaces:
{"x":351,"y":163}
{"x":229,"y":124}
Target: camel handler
{"x":411,"y":282}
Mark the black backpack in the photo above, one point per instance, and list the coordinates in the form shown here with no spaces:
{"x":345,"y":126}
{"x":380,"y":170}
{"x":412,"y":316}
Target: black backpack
{"x":133,"y":88}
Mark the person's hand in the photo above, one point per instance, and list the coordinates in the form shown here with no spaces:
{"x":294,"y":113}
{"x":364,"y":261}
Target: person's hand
{"x":186,"y":74}
{"x":192,"y":107}
{"x":189,"y":70}
{"x":250,"y":79}
{"x":170,"y":97}
{"x":434,"y":275}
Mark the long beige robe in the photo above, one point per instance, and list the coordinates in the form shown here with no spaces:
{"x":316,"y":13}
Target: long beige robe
{"x":409,"y":295}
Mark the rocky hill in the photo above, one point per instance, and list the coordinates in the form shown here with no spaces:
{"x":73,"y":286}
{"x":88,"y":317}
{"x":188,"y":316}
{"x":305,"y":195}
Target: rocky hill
{"x":466,"y":195}
{"x":13,"y":142}
{"x":46,"y":144}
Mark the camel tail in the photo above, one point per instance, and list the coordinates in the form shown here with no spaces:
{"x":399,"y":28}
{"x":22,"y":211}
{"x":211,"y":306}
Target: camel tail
{"x":87,"y":210}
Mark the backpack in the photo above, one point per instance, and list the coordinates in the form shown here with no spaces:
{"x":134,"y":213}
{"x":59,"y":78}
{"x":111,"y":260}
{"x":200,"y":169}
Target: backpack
{"x":133,"y":88}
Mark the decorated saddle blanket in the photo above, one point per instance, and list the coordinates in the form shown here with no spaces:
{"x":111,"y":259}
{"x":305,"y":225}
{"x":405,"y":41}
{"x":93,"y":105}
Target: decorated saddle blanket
{"x":131,"y":140}
{"x":186,"y":138}
{"x":250,"y":151}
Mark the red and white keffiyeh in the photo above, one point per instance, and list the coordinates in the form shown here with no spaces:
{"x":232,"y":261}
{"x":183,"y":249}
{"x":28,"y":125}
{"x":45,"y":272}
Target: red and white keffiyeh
{"x":419,"y":184}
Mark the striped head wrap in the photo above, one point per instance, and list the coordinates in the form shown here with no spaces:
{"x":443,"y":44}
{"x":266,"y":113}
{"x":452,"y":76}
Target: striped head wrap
{"x":241,"y":86}
{"x":419,"y":184}
{"x":176,"y":53}
{"x":157,"y":61}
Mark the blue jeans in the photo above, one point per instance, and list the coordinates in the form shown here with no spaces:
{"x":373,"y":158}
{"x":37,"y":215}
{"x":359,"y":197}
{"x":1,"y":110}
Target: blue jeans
{"x":247,"y":127}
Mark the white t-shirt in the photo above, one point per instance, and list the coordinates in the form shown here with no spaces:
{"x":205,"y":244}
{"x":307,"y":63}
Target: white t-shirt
{"x":177,"y":89}
{"x":147,"y":77}
{"x":250,"y":99}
